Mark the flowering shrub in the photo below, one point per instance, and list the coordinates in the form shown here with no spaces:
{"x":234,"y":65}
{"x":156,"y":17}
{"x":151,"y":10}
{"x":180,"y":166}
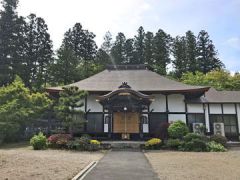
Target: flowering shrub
{"x":95,"y":142}
{"x":153,"y":143}
{"x":59,"y":140}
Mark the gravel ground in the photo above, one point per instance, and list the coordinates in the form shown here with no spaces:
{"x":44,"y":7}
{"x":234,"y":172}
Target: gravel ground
{"x":195,"y":166}
{"x":23,"y":163}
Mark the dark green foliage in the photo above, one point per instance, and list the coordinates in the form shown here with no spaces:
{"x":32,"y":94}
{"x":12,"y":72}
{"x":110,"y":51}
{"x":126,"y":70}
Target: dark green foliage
{"x":69,"y":104}
{"x":191,"y":136}
{"x":129,"y":52}
{"x":161,"y":51}
{"x":102,"y":59}
{"x":148,"y":48}
{"x":139,"y":46}
{"x":117,"y":51}
{"x":174,"y":143}
{"x":207,"y":55}
{"x":9,"y":132}
{"x":219,"y":139}
{"x":39,"y":142}
{"x":178,"y":129}
{"x":196,"y":145}
{"x":107,"y":43}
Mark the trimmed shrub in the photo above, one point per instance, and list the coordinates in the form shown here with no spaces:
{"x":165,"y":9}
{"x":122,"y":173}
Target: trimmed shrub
{"x":174,"y":143}
{"x":39,"y":142}
{"x":219,"y":139}
{"x":190,"y":136}
{"x":177,"y":130}
{"x":153,"y":143}
{"x":196,"y":145}
{"x":59,"y":140}
{"x":215,"y":147}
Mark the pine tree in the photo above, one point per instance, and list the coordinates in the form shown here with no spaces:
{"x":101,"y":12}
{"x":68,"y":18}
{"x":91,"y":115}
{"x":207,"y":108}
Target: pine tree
{"x":139,"y":46}
{"x":191,"y":52}
{"x":117,"y":51}
{"x":38,"y":52}
{"x":10,"y":41}
{"x":129,"y":52}
{"x":148,"y":48}
{"x":107,"y":44}
{"x":180,"y":56}
{"x":161,"y":51}
{"x":207,"y":55}
{"x":65,"y":69}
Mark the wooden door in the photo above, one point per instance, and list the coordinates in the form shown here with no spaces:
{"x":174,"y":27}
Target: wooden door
{"x":132,"y":122}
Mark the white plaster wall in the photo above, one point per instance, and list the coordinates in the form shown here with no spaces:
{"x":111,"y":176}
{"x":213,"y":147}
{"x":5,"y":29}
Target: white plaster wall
{"x":93,"y":104}
{"x":159,"y":104}
{"x":176,"y":103}
{"x":176,"y":117}
{"x":215,"y":108}
{"x":207,"y":118}
{"x":195,"y":108}
{"x":229,"y":109}
{"x":238,"y":117}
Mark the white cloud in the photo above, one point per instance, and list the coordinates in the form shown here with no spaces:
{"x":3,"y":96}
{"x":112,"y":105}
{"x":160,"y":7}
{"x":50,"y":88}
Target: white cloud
{"x":234,"y":42}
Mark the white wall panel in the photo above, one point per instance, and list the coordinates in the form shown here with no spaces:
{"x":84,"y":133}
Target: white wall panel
{"x":215,"y":108}
{"x":176,"y":103}
{"x":176,"y":117}
{"x":195,"y":108}
{"x":93,"y":104}
{"x":207,"y":118}
{"x":229,"y":109}
{"x":159,"y":104}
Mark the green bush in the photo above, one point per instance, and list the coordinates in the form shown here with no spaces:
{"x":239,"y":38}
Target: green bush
{"x":215,"y":147}
{"x":219,"y":139}
{"x":174,"y":143}
{"x":196,"y":145}
{"x":177,"y":130}
{"x":9,"y":132}
{"x":39,"y":141}
{"x":190,"y":136}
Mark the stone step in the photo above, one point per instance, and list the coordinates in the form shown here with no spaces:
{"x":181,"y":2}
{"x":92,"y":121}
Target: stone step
{"x":124,"y":145}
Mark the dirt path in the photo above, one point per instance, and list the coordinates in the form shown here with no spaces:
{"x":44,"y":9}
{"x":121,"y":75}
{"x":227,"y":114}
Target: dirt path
{"x":195,"y":166}
{"x":24,"y":163}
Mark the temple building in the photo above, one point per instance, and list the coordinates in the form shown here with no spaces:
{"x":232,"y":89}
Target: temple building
{"x":132,"y":102}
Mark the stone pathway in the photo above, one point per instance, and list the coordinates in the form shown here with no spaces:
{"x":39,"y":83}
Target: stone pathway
{"x":122,"y":165}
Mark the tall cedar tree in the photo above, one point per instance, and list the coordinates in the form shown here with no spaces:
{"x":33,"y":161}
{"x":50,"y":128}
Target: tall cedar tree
{"x":179,"y":54}
{"x":191,"y":52}
{"x":102,"y":59}
{"x":10,"y":41}
{"x":161,"y":51}
{"x":148,"y":48}
{"x":107,"y":43}
{"x":82,"y":43}
{"x":207,"y":55}
{"x":129,"y":52}
{"x":117,"y":51}
{"x":139,"y":46}
{"x":69,"y":106}
{"x":38,"y":52}
{"x":65,"y":69}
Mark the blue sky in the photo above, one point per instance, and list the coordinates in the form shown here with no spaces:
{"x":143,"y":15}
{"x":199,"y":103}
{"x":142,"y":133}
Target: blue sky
{"x":221,"y":18}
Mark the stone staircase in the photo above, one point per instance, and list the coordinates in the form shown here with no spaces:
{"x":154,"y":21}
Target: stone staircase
{"x":124,"y":145}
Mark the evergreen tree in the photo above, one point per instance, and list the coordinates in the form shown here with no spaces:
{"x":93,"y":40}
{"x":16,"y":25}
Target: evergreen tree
{"x":161,"y":51}
{"x":139,"y":46}
{"x":102,"y":59}
{"x":129,"y":52}
{"x":117,"y":51}
{"x":207,"y":55}
{"x":148,"y":48}
{"x":38,"y":52}
{"x":10,"y":41}
{"x":180,"y":57}
{"x":69,"y":106}
{"x":191,"y":52}
{"x":107,"y":44}
{"x":65,"y":69}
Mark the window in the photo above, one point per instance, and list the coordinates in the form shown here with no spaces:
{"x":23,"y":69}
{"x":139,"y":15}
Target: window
{"x":230,"y":123}
{"x":94,"y":122}
{"x":195,"y":118}
{"x":155,"y":121}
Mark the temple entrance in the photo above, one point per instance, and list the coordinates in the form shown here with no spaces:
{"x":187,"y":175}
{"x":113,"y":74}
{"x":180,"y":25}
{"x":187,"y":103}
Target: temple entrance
{"x":126,"y":122}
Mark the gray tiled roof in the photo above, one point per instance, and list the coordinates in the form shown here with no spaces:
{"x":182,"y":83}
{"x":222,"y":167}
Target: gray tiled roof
{"x":140,"y":80}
